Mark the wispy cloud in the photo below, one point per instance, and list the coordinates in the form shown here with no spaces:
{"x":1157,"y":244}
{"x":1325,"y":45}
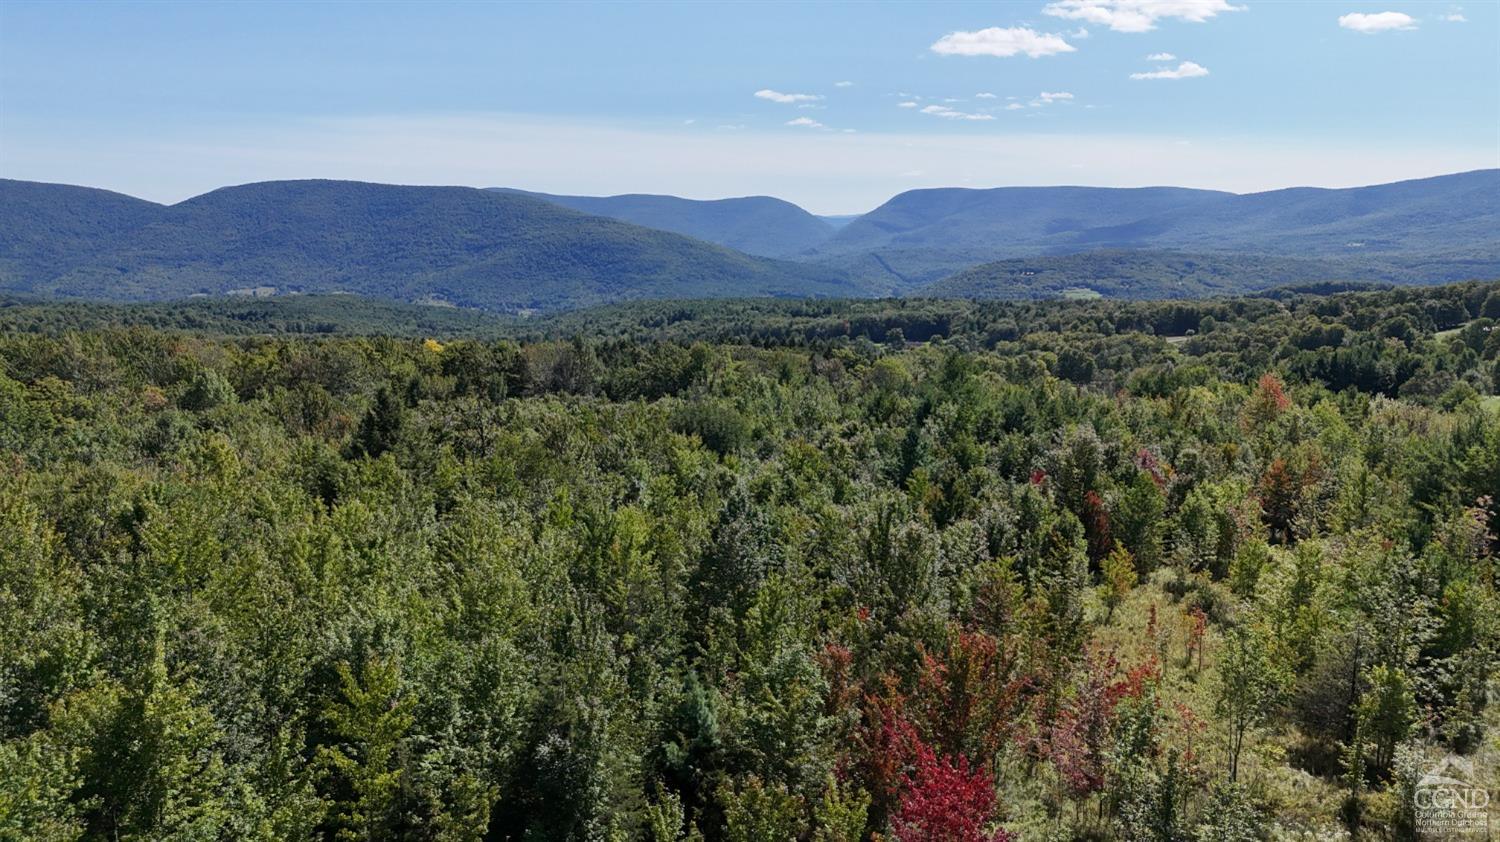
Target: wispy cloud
{"x":1369,"y":24}
{"x":807,"y":122}
{"x":1060,"y":96}
{"x":1137,"y":15}
{"x":1185,"y":70}
{"x":1160,"y":57}
{"x":985,"y":95}
{"x":907,"y":104}
{"x":1002,"y":42}
{"x":786,"y":99}
{"x":951,"y":114}
{"x":845,"y":84}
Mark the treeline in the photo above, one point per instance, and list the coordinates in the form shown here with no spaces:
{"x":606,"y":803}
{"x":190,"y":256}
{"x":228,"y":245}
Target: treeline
{"x":1216,"y":570}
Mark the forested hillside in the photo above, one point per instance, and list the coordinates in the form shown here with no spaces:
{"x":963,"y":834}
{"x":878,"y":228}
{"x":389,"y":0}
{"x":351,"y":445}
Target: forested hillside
{"x":759,"y":225}
{"x":1215,"y":570}
{"x":1444,"y":224}
{"x":512,"y":252}
{"x":454,"y":245}
{"x":1171,"y":274}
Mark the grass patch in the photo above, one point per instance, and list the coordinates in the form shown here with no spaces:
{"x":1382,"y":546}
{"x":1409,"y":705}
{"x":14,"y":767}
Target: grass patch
{"x":1080,"y":294}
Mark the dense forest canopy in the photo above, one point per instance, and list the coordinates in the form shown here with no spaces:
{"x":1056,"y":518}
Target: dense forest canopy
{"x":740,"y":570}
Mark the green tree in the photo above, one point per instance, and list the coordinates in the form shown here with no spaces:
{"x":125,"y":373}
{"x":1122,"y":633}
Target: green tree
{"x":363,"y":775}
{"x":381,"y":426}
{"x":1119,"y":577}
{"x":1385,"y":714}
{"x":754,"y":812}
{"x":1253,"y":680}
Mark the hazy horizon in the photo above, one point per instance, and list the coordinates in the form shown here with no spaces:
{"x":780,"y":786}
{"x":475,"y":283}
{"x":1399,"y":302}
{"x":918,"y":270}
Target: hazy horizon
{"x":832,"y":107}
{"x":754,"y":195}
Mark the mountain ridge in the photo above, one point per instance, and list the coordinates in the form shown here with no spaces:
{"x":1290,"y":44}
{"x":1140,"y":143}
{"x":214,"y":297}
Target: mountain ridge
{"x":511,"y":250}
{"x":764,"y":226}
{"x":935,"y":232}
{"x":457,"y":245}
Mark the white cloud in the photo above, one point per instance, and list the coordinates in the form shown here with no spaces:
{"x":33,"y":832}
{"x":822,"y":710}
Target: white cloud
{"x":843,"y":84}
{"x":907,"y":104}
{"x":985,"y":95}
{"x":1137,"y":15}
{"x":786,"y":99}
{"x":1014,"y":106}
{"x":950,"y":114}
{"x":1160,"y":57}
{"x":1002,"y":42}
{"x":806,"y":121}
{"x":1377,"y":22}
{"x":1047,"y":98}
{"x":1080,"y":33}
{"x":1185,"y":70}
{"x":1456,"y":17}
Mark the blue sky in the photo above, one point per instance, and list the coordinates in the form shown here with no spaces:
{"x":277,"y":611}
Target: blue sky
{"x":834,"y":106}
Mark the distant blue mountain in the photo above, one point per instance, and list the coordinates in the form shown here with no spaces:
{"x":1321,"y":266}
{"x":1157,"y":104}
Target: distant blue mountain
{"x":455,"y":245}
{"x":840,"y":220}
{"x":922,"y":235}
{"x":507,"y":250}
{"x":48,"y":229}
{"x":757,"y":225}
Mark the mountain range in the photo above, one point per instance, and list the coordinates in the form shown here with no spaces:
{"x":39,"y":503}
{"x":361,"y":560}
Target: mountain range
{"x":758,"y":225}
{"x":510,"y":250}
{"x":924,"y":235}
{"x":447,"y":245}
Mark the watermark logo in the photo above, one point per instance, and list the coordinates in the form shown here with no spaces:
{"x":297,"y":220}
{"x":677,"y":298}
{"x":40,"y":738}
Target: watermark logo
{"x":1449,"y":804}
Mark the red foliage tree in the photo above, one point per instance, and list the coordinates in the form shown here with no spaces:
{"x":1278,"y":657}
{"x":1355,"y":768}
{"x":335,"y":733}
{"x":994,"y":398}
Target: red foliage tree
{"x":1095,"y":517}
{"x":1273,"y":392}
{"x":1268,"y":401}
{"x":1146,"y":461}
{"x":837,"y":662}
{"x":946,"y":801}
{"x":1279,"y":492}
{"x":1079,"y":737}
{"x":970,"y":700}
{"x":1197,"y":629}
{"x":886,"y":751}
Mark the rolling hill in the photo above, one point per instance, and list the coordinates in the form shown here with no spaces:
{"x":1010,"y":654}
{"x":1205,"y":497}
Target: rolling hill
{"x":1171,"y":274}
{"x":48,"y":229}
{"x":453,"y":245}
{"x":511,"y":251}
{"x":923,"y":235}
{"x":758,"y":225}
